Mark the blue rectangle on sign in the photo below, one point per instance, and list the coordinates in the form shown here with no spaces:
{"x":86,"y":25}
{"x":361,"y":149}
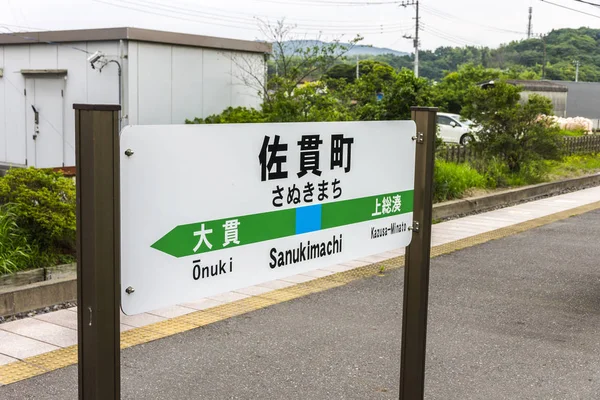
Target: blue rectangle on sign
{"x":308,"y":219}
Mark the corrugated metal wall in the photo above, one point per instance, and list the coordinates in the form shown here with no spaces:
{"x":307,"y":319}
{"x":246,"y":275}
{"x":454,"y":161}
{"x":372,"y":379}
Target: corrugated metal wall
{"x":559,"y":100}
{"x":584,"y":99}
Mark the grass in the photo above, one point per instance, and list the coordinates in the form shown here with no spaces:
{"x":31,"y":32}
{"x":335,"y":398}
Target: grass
{"x":455,"y":181}
{"x":451,"y":181}
{"x":573,"y":166}
{"x":15,"y":253}
{"x":576,"y":133}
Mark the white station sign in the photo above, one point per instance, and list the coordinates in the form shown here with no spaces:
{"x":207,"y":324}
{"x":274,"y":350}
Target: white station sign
{"x":207,"y":209}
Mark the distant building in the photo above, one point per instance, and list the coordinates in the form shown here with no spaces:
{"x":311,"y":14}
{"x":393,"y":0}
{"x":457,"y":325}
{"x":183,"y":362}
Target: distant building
{"x":556,"y":92}
{"x":166,"y":78}
{"x":584,"y":100}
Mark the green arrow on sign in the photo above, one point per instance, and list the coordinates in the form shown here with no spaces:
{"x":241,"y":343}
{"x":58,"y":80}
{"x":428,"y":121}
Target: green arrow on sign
{"x":207,"y":236}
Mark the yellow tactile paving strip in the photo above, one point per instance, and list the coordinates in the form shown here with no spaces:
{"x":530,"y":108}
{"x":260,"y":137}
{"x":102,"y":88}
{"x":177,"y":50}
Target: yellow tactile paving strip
{"x":43,"y":363}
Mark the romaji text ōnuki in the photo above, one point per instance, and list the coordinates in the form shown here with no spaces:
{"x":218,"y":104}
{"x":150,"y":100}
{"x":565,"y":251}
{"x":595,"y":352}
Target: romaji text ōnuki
{"x":273,"y":156}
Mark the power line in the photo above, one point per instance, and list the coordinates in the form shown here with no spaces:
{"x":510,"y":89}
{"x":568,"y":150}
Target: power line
{"x":454,"y":38}
{"x":229,"y":13}
{"x":587,"y":2}
{"x":12,"y":33}
{"x":571,"y":9}
{"x":247,"y":17}
{"x":22,"y":26}
{"x":171,"y":16}
{"x":444,"y":15}
{"x":331,"y":3}
{"x":240,"y":23}
{"x":449,"y":37}
{"x":243,"y":17}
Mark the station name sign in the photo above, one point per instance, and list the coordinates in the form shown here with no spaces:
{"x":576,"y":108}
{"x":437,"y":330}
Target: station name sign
{"x":207,"y":209}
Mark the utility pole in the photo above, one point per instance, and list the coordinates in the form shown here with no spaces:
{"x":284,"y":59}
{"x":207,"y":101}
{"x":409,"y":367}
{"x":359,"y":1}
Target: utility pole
{"x":530,"y":25}
{"x":577,"y":64}
{"x":406,"y":3}
{"x":545,"y":56}
{"x":357,"y":69}
{"x":543,"y":39}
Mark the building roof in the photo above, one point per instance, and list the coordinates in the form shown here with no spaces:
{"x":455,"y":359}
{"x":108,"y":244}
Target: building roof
{"x":539,"y":86}
{"x":136,"y":34}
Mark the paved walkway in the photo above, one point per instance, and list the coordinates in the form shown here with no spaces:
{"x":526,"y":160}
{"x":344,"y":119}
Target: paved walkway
{"x":46,"y":333}
{"x":514,"y":318}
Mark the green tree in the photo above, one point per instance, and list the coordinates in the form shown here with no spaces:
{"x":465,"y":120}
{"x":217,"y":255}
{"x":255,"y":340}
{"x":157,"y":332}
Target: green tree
{"x":451,"y":92}
{"x":342,"y":71}
{"x":310,"y":102}
{"x":510,"y":129}
{"x":232,"y":115}
{"x":405,"y":91}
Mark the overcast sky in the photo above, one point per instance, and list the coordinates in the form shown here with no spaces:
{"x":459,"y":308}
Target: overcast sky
{"x":381,"y":22}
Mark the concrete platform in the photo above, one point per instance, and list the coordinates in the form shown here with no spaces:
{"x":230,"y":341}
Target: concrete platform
{"x":22,"y":340}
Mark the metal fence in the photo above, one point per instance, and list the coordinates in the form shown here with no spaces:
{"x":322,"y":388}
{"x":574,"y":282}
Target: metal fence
{"x":582,"y":144}
{"x":572,"y":145}
{"x":457,"y":153}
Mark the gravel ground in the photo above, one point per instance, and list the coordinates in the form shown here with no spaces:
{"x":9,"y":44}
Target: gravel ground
{"x":33,"y":313}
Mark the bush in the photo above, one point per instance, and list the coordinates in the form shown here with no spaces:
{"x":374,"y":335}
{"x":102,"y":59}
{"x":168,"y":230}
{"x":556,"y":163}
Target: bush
{"x":15,"y":252}
{"x":511,"y":129}
{"x":451,"y":181}
{"x":529,"y":174}
{"x":494,"y":171}
{"x":44,"y":208}
{"x":497,"y":174}
{"x":232,"y":116}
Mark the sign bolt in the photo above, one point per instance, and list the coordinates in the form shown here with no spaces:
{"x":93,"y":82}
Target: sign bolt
{"x":416,"y":227}
{"x":420,"y":138}
{"x":129,"y":290}
{"x":128,"y":152}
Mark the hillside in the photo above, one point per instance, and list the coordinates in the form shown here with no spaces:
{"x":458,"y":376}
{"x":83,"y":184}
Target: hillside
{"x":523,"y":58}
{"x":290,"y":45}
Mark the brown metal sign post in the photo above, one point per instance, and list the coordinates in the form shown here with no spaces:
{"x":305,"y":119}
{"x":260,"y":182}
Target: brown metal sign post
{"x":98,"y":247}
{"x":416,"y":270}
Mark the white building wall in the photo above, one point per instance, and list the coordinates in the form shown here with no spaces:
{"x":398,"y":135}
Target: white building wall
{"x":75,"y":62}
{"x":102,"y":87}
{"x":154,"y":83}
{"x":168,"y":84}
{"x":15,"y":58}
{"x":186,"y":92}
{"x":162,"y":84}
{"x":2,"y":111}
{"x":81,"y":85}
{"x":248,"y":79}
{"x":218,"y":80}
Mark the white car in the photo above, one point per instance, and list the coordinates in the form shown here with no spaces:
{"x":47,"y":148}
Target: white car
{"x":455,"y":129}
